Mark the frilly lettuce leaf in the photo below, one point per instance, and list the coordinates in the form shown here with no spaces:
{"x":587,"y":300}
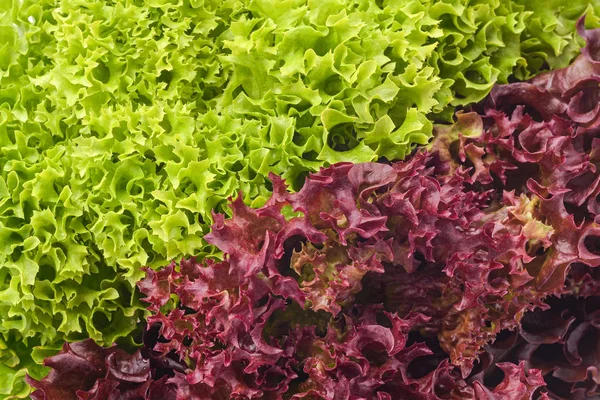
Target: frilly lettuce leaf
{"x":123,"y":124}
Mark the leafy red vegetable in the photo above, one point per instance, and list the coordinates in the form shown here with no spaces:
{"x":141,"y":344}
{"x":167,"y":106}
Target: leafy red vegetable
{"x":86,"y":371}
{"x":318,"y":303}
{"x":562,"y":341}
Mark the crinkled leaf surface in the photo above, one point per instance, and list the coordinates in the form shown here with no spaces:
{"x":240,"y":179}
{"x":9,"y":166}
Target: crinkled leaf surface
{"x":396,"y":280}
{"x":124,"y":123}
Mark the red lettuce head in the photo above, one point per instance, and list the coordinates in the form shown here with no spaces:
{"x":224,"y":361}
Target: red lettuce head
{"x":323,"y":303}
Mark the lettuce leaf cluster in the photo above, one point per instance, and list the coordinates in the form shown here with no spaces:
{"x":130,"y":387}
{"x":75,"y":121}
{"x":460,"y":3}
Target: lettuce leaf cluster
{"x":86,"y":371}
{"x":124,"y":123}
{"x":289,"y":312}
{"x":561,"y":340}
{"x":468,"y":271}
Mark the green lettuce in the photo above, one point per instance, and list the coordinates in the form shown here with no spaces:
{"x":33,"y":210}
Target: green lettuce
{"x":124,"y":123}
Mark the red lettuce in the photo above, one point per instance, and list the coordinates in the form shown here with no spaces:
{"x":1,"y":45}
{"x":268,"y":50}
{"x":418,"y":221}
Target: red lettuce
{"x":322,"y":304}
{"x":562,"y":340}
{"x":86,"y":371}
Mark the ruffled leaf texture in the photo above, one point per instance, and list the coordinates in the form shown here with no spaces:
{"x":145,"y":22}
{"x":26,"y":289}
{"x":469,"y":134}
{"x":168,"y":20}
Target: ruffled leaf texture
{"x":86,"y":371}
{"x":387,"y":282}
{"x":561,"y":339}
{"x":468,"y":272}
{"x":451,"y":248}
{"x":405,"y":280}
{"x":323,"y":304}
{"x":124,"y":123}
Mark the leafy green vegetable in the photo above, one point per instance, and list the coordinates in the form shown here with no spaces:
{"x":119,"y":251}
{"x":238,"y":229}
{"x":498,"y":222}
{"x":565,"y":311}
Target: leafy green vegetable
{"x":122,"y":121}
